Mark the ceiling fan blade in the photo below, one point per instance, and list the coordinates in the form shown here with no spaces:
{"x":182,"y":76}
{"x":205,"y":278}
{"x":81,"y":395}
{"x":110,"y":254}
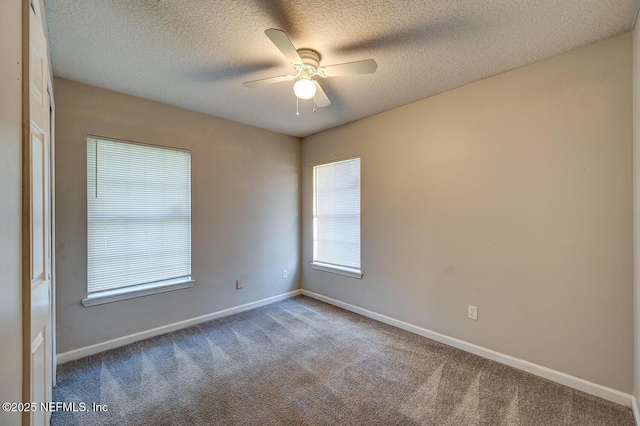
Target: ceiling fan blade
{"x":321,"y":98}
{"x":270,"y":80}
{"x":367,"y":66}
{"x":282,"y":42}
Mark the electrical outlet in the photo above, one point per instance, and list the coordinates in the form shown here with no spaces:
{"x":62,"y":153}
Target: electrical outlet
{"x":473,"y":313}
{"x":285,"y":274}
{"x":239,"y":283}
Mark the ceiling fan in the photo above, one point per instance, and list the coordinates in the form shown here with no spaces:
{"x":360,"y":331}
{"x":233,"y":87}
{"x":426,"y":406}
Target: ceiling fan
{"x":306,"y":63}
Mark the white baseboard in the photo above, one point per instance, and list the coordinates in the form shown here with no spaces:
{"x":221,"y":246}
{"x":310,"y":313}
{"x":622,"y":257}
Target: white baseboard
{"x":538,"y":370}
{"x":636,"y":412}
{"x":125,"y":340}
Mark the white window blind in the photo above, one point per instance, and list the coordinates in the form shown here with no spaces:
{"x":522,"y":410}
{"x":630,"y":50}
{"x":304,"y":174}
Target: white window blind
{"x":138,"y":215}
{"x":336,"y":215}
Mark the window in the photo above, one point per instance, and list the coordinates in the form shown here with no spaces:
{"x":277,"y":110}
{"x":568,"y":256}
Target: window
{"x":336,"y":217}
{"x":138,"y":220}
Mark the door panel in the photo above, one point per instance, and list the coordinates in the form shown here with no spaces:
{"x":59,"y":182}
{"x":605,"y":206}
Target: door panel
{"x":41,"y":357}
{"x":38,"y":382}
{"x":40,"y":362}
{"x":38,"y":227}
{"x":36,"y":75}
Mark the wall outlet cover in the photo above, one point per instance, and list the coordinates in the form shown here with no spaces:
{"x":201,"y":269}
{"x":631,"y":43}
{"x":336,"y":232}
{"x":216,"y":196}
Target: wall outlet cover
{"x":472,"y":313}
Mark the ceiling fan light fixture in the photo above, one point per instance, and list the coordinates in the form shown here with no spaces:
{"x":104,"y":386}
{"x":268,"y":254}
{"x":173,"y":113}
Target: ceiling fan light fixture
{"x":304,"y":88}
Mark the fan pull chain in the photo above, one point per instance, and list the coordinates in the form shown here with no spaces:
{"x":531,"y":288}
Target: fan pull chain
{"x":314,"y":104}
{"x":297,"y":112}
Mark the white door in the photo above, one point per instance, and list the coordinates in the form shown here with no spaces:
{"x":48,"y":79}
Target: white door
{"x":40,"y":360}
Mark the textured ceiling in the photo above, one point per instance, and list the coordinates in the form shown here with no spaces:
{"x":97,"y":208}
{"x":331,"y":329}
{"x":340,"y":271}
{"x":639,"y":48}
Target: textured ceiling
{"x":195,"y":54}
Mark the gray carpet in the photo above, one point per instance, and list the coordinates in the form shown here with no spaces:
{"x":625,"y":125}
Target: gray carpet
{"x":303,"y":362}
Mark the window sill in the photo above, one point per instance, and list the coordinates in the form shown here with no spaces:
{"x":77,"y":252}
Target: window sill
{"x":349,"y":272}
{"x":108,"y":296}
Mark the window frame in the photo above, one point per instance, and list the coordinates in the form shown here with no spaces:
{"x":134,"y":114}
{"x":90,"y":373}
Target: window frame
{"x":329,"y":267}
{"x":137,"y":290}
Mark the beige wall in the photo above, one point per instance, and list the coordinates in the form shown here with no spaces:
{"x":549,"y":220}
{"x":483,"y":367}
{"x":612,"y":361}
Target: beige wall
{"x":10,"y":208}
{"x":245,"y":211}
{"x":512,"y":194}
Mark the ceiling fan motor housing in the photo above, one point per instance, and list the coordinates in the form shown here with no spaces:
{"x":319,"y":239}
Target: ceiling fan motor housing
{"x":311,"y":60}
